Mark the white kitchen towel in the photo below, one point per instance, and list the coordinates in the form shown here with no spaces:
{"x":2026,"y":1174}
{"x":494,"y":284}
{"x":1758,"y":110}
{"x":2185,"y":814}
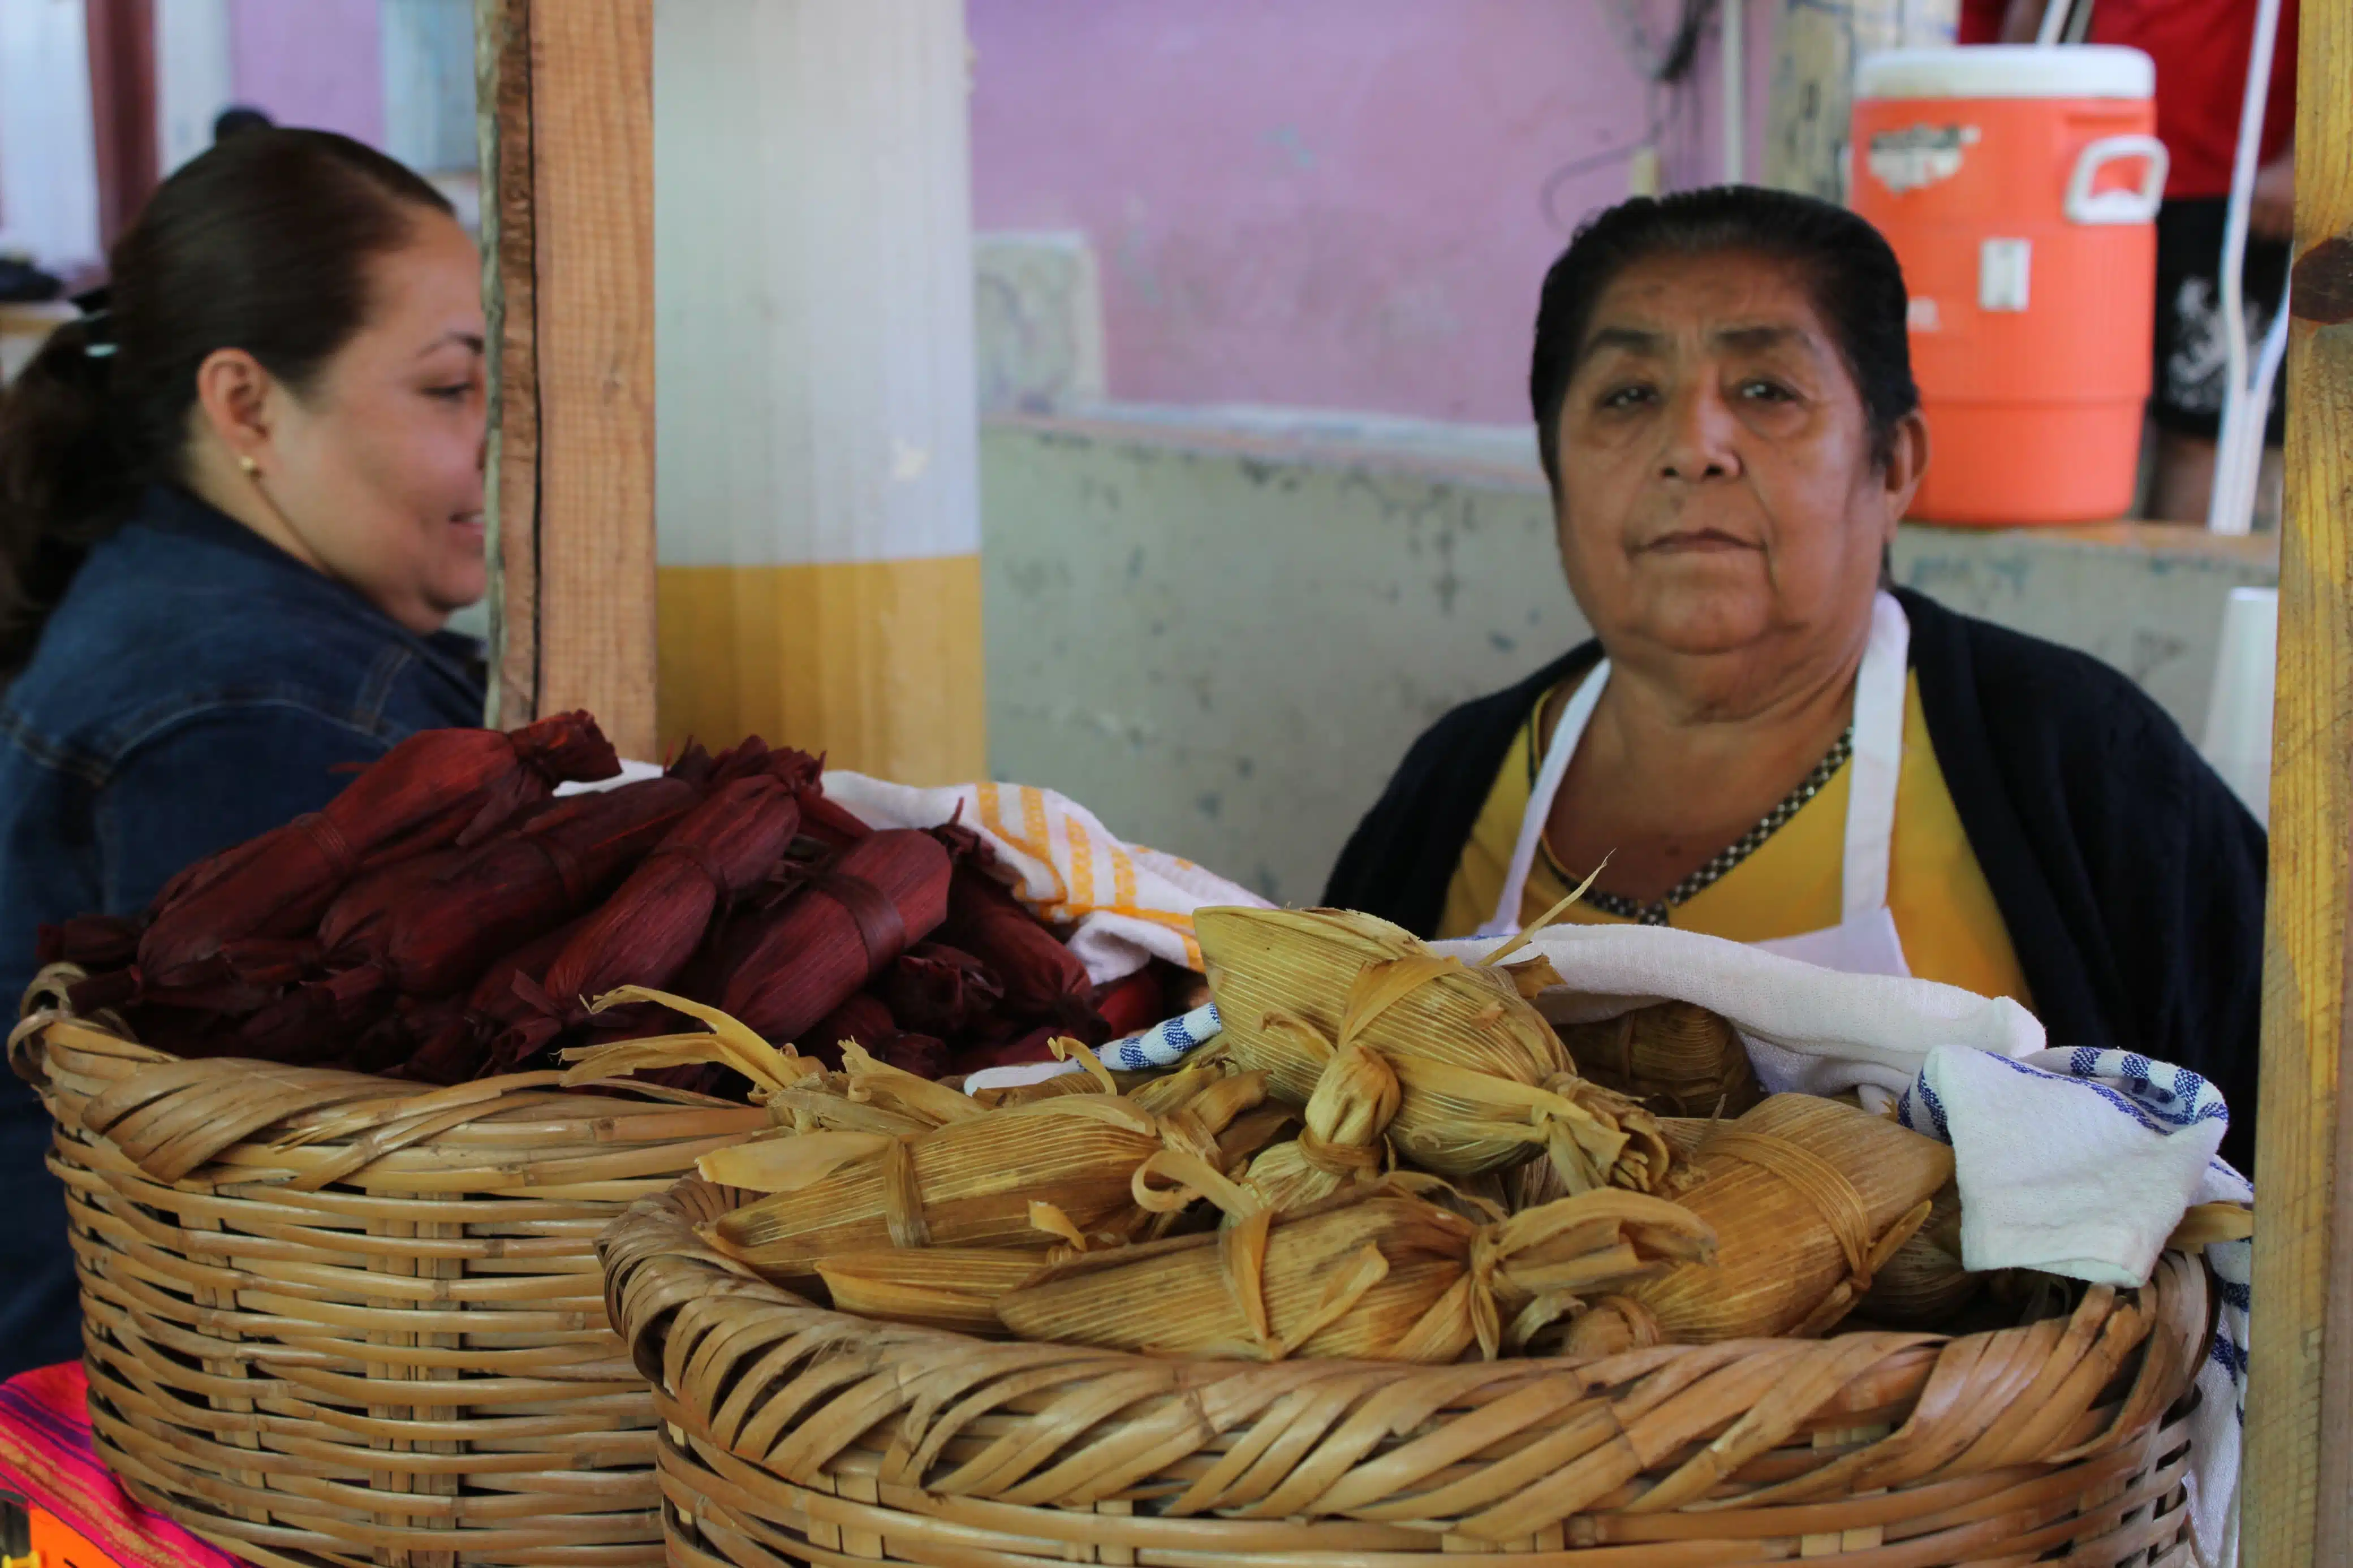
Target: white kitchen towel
{"x":1809,"y":1029}
{"x":1129,"y":904}
{"x":2130,"y":1144}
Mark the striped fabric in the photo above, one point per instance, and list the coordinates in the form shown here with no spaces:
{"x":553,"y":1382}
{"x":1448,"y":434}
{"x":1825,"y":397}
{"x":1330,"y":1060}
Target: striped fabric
{"x":47,"y":1458}
{"x":1129,"y":904}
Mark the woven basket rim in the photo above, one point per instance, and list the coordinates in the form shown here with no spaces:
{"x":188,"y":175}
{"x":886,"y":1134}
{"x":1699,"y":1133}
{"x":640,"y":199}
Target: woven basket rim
{"x":519,"y":1092}
{"x":318,"y":1127}
{"x":2056,"y":1408}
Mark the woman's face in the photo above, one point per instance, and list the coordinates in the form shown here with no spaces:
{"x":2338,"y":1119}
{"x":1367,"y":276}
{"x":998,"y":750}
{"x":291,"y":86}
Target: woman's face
{"x":376,"y":468}
{"x":1716,"y":488}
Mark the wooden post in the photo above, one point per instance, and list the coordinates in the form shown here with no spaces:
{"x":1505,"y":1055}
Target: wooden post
{"x":2296,"y":1501}
{"x":566,"y":109}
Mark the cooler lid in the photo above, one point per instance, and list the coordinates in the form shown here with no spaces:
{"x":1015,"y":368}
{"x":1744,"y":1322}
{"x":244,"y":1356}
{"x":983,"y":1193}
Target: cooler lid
{"x":2008,"y":71}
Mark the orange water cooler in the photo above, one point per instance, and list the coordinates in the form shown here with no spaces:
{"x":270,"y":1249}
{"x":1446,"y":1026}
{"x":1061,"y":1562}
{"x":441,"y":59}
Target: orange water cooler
{"x":2020,"y":186}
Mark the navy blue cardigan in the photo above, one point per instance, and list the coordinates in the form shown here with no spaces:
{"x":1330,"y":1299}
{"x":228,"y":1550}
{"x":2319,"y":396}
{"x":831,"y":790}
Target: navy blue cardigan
{"x":2129,"y":875}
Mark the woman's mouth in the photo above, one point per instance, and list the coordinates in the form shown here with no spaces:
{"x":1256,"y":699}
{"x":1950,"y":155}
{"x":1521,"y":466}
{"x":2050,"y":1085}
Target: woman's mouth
{"x":472,"y":525}
{"x":1695,"y":542}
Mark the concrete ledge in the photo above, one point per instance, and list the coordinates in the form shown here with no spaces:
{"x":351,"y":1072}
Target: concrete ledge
{"x":1221,"y":628}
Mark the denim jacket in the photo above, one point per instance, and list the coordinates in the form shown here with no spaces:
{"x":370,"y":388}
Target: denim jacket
{"x":195,"y":687}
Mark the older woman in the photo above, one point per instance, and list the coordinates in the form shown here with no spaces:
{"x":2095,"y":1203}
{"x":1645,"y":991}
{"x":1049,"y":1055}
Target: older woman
{"x":1767,"y":744}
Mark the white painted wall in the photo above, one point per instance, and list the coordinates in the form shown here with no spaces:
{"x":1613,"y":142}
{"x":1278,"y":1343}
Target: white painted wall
{"x":49,"y":168}
{"x":813,"y":283}
{"x":428,"y":83}
{"x":195,"y":75}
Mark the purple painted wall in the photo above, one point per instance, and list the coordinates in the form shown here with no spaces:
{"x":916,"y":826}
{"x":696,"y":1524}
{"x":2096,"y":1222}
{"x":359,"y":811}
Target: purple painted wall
{"x":1343,"y":204}
{"x":318,"y":63}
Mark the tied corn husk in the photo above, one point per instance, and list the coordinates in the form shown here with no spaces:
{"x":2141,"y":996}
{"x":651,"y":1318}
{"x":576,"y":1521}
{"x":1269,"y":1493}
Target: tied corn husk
{"x":820,"y":947}
{"x":646,"y":931}
{"x":437,"y":788}
{"x":1923,"y":1284}
{"x":1677,"y":1058}
{"x":1340,"y":1139}
{"x":1810,"y":1198}
{"x":1482,"y":1081}
{"x":1375,"y":1273}
{"x":977,"y":1180}
{"x":955,"y":1289}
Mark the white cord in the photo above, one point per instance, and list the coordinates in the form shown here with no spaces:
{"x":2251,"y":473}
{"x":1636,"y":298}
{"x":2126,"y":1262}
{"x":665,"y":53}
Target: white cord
{"x":2231,"y":507}
{"x":2246,"y":456}
{"x":2054,"y":22}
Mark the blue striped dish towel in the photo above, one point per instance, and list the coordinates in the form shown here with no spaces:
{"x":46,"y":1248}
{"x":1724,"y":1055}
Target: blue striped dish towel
{"x":2080,"y":1163}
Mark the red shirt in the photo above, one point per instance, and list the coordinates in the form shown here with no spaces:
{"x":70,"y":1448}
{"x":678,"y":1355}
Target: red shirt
{"x":2201,"y":47}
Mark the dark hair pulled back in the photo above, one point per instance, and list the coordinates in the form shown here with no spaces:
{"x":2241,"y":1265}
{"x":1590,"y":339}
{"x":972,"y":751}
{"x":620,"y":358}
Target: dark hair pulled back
{"x":1851,"y":272}
{"x":260,"y":244}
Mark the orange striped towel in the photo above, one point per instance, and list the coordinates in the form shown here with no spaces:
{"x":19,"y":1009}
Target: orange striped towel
{"x":1129,"y":904}
{"x":47,"y":1458}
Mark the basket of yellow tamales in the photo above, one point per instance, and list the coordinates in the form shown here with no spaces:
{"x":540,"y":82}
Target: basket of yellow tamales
{"x":1380,"y":1271}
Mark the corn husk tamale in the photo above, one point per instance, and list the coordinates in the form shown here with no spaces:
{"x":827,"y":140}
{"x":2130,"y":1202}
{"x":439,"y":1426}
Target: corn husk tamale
{"x":1482,"y":1081}
{"x":951,"y":1288}
{"x":977,"y":1180}
{"x":1810,"y":1199}
{"x":1375,"y":1273}
{"x":1923,"y":1284}
{"x":1340,"y":1138}
{"x":1677,"y":1058}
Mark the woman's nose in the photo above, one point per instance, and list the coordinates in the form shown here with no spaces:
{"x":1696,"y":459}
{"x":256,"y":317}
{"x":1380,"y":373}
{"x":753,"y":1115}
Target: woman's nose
{"x":1701,"y":438}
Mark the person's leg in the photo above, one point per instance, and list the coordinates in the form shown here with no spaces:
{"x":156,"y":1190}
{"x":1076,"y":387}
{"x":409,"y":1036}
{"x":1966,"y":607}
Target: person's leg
{"x":2191,"y":362}
{"x":2192,"y":354}
{"x":2185,"y":478}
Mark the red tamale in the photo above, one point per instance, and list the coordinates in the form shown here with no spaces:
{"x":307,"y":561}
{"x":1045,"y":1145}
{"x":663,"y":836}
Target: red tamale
{"x":867,"y":1020}
{"x":375,"y":895}
{"x":822,"y":945}
{"x":89,"y":942}
{"x":644,"y":934}
{"x":461,"y":1048}
{"x":1132,"y":1006}
{"x":460,"y":784}
{"x":937,"y":990}
{"x":516,"y":888}
{"x":1042,"y":978}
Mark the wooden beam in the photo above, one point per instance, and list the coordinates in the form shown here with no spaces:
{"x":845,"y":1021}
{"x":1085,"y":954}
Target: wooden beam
{"x":2296,"y":1501}
{"x":567,"y":96}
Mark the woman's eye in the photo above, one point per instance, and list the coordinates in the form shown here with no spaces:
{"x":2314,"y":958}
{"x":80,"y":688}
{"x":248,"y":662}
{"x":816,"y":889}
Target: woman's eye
{"x":1766,"y":392}
{"x":457,"y":393}
{"x":1625,"y":396}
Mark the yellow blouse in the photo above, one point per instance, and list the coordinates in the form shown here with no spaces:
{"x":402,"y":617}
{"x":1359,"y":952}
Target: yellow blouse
{"x":1944,"y":910}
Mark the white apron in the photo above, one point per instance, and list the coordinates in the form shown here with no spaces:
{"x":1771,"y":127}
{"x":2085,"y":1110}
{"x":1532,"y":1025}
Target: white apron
{"x":1864,"y":942}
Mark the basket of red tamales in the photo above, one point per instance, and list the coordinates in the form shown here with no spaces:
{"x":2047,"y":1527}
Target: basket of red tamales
{"x":1377,"y":1272}
{"x":334,"y":1198}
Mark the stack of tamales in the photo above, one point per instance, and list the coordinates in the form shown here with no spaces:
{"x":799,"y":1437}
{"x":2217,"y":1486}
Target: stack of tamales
{"x":1388,"y":1154}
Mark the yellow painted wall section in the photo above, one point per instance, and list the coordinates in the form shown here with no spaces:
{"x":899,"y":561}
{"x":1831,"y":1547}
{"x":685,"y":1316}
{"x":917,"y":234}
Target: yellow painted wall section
{"x":875,"y":663}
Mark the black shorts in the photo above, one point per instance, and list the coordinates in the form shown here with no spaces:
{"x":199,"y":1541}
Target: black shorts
{"x":2192,"y":353}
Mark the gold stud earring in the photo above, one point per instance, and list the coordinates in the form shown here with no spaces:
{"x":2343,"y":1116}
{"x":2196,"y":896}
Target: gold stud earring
{"x":252,"y":470}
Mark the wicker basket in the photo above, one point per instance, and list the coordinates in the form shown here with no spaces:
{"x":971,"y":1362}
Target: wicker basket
{"x":336,"y":1319}
{"x":796,"y":1434}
